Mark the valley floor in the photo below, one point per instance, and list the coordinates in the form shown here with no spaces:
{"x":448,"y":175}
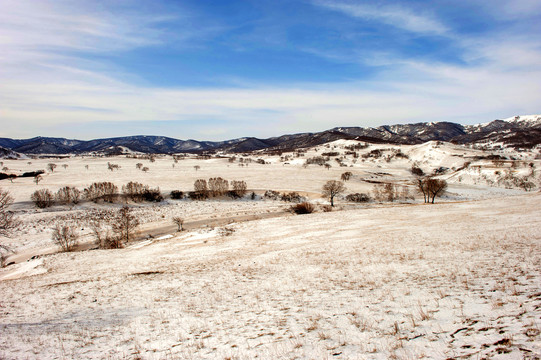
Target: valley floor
{"x":450,"y":280}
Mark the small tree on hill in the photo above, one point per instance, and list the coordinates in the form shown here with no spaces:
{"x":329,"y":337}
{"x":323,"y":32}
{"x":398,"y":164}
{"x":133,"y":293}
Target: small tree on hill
{"x":51,"y":166}
{"x":125,"y":224}
{"x":333,"y":188}
{"x":65,"y":236}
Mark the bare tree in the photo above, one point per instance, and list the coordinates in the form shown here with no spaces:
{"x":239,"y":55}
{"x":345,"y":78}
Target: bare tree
{"x":239,"y":187}
{"x":145,"y":169}
{"x":197,"y":167}
{"x":218,"y":186}
{"x":139,"y":166}
{"x":201,"y":189}
{"x":125,"y":223}
{"x":333,"y":188}
{"x":7,"y":220}
{"x":68,"y":195}
{"x":65,"y":166}
{"x":37,"y":179}
{"x":431,"y":188}
{"x":179,"y":222}
{"x":65,"y":236}
{"x":51,"y":166}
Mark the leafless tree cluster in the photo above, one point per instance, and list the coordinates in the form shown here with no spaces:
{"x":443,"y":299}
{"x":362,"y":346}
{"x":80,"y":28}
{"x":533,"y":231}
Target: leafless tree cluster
{"x":105,"y":191}
{"x":431,"y":188}
{"x":68,"y":195}
{"x":332,"y":188}
{"x":134,"y":191}
{"x":113,"y":228}
{"x":391,"y":192}
{"x":218,"y":186}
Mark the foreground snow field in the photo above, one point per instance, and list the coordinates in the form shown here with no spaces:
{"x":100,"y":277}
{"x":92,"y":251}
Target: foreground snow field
{"x":450,"y":280}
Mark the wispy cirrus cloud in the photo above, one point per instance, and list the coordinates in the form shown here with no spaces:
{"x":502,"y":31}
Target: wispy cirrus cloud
{"x":393,"y":15}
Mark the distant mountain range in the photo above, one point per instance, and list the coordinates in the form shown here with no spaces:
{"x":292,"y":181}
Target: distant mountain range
{"x":518,"y":132}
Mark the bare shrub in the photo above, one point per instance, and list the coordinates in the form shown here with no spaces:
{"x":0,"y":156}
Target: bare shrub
{"x":177,"y":194}
{"x":317,"y":160}
{"x":51,"y":167}
{"x":326,"y":208}
{"x":272,"y":195}
{"x":139,"y":166}
{"x":68,"y":195}
{"x":152,"y":195}
{"x":218,"y":186}
{"x":226,"y":231}
{"x":37,"y":179}
{"x":346,"y":176}
{"x":417,"y":171}
{"x":358,"y":197}
{"x":303,"y":208}
{"x":124,"y":224}
{"x":291,"y":197}
{"x":179,"y":222}
{"x":332,"y":188}
{"x":42,"y":198}
{"x":145,"y":169}
{"x":65,"y":236}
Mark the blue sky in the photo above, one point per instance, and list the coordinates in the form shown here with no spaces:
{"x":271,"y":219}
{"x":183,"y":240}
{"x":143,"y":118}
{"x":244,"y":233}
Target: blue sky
{"x":215,"y":70}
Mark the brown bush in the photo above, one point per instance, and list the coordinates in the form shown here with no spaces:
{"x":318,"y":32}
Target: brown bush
{"x":303,"y":208}
{"x":358,"y":197}
{"x":42,"y":198}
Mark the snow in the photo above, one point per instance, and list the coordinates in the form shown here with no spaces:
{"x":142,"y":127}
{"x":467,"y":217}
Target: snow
{"x":457,"y":279}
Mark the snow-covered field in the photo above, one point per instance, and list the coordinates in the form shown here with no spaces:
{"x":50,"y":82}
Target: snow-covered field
{"x":457,"y":279}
